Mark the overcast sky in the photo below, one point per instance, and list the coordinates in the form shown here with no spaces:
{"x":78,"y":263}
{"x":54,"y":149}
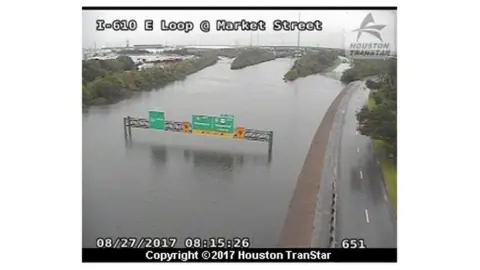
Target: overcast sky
{"x":335,"y":23}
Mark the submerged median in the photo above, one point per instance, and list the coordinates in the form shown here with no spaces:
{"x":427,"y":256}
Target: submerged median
{"x":251,"y":57}
{"x":312,"y":63}
{"x":111,"y":80}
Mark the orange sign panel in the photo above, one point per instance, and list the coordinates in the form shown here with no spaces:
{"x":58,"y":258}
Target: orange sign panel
{"x":186,"y":127}
{"x":240,"y":133}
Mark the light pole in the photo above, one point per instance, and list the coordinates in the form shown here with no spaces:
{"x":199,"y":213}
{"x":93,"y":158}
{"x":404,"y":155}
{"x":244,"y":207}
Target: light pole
{"x":298,"y":37}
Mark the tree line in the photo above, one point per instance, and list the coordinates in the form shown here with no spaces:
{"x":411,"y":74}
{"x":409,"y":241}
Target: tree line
{"x":311,"y":63}
{"x":363,"y":68}
{"x":107,"y":81}
{"x":378,"y":120}
{"x":251,"y":57}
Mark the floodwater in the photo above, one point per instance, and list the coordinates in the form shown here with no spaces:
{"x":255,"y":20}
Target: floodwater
{"x":166,"y":184}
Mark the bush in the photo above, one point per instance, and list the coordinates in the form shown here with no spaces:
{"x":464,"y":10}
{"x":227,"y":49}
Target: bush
{"x":349,"y":75}
{"x":372,"y":85}
{"x":363,"y":68}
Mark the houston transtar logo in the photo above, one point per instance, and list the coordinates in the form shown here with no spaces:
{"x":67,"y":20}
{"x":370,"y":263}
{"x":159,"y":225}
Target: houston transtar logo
{"x":378,"y":47}
{"x":373,"y":29}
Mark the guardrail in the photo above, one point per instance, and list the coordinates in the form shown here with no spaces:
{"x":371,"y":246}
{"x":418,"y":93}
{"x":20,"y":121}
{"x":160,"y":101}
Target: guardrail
{"x":240,"y":133}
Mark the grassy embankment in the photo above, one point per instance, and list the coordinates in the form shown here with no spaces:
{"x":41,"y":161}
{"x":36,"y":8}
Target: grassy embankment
{"x":389,"y":169}
{"x":251,"y":57}
{"x":312,"y":63}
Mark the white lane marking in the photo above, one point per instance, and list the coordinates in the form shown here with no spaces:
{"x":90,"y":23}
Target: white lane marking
{"x":385,"y":197}
{"x":366,"y":216}
{"x":361,"y":174}
{"x":356,"y":132}
{"x":358,"y":150}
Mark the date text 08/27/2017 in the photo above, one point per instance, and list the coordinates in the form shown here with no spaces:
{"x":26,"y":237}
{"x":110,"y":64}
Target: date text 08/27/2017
{"x":171,"y":242}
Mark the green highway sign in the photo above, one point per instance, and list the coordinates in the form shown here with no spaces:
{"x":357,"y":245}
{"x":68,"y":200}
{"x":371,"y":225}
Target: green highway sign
{"x":202,"y":122}
{"x":157,"y":120}
{"x":223,"y":124}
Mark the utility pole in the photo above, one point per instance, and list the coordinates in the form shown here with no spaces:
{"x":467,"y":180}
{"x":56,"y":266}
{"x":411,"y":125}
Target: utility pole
{"x":298,"y":37}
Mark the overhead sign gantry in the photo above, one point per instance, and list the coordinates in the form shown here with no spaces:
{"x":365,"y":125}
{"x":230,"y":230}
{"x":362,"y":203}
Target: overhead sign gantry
{"x":204,"y":125}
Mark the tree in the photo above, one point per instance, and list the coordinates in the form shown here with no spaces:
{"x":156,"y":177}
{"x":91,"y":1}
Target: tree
{"x":139,"y":80}
{"x":127,"y":62}
{"x":372,"y":85}
{"x":251,"y":57}
{"x":380,"y":120}
{"x":106,"y":89}
{"x":350,"y":75}
{"x":87,"y":95}
{"x":110,"y":79}
{"x":311,"y":63}
{"x":129,"y":80}
{"x":91,"y":69}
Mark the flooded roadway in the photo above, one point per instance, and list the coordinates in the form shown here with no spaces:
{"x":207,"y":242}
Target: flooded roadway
{"x":177,"y":185}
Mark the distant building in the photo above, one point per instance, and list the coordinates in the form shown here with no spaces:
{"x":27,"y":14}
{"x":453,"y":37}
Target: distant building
{"x":148,"y":46}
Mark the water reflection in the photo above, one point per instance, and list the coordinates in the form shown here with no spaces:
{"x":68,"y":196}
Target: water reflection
{"x":128,"y":142}
{"x":214,"y":165}
{"x":204,"y":160}
{"x":159,"y":154}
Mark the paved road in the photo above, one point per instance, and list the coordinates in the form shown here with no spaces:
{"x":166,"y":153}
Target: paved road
{"x":363,"y":210}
